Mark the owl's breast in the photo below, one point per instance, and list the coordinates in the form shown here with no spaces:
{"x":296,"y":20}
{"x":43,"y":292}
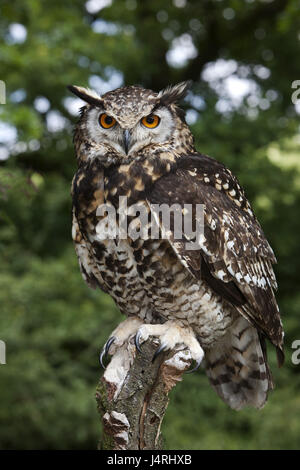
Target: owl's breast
{"x":143,"y":275}
{"x":145,"y":278}
{"x":139,"y":274}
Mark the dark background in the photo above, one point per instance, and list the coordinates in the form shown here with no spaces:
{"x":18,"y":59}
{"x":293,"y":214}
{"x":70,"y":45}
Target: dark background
{"x":242,"y":57}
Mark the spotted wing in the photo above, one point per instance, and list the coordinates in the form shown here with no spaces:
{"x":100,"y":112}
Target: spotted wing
{"x":232,"y":255}
{"x":86,"y":260}
{"x":85,"y":196}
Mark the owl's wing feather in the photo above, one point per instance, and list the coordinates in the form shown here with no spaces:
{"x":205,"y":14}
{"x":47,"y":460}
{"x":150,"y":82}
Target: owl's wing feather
{"x":81,"y":215}
{"x":85,"y":259}
{"x":233,"y":255}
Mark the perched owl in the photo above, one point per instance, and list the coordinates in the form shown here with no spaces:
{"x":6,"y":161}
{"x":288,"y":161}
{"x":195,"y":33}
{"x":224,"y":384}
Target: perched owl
{"x":133,"y":145}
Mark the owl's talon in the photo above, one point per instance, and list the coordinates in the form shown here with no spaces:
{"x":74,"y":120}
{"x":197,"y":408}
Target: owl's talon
{"x":105,"y":350}
{"x":101,"y":358}
{"x":159,"y":350}
{"x":195,"y":368}
{"x":137,"y":341}
{"x":170,"y":335}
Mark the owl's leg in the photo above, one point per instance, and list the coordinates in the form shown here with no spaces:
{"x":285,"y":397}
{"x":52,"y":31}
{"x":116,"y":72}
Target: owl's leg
{"x":171,"y":334}
{"x":120,"y":335}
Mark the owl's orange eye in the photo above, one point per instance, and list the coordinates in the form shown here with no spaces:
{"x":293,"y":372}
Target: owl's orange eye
{"x":106,"y":121}
{"x":151,"y":121}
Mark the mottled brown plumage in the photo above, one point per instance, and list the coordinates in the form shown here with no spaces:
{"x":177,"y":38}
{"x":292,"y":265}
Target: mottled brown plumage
{"x":218,"y":300}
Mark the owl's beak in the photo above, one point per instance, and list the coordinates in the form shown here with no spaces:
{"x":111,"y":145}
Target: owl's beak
{"x":126,"y":140}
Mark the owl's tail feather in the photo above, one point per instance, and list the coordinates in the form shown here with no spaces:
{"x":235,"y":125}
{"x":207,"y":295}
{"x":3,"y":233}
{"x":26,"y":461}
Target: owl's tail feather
{"x":237,"y":367}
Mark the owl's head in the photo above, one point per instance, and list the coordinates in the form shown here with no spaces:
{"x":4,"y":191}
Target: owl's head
{"x":127,"y":120}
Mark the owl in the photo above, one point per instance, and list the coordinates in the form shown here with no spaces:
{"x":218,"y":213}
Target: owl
{"x":213,"y":293}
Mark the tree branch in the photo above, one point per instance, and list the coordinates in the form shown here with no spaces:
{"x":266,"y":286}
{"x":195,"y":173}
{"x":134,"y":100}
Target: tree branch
{"x":132,"y":395}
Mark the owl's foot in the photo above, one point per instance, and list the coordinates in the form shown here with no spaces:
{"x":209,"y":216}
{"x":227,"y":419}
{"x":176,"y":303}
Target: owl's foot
{"x":171,"y":334}
{"x":119,"y":336}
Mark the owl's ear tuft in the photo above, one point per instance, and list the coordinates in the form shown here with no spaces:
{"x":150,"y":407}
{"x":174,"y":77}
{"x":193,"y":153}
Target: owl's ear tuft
{"x":87,"y":95}
{"x":174,"y":93}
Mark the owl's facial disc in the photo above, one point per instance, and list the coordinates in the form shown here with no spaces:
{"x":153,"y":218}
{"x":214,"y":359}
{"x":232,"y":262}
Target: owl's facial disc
{"x":154,"y":128}
{"x":129,"y":119}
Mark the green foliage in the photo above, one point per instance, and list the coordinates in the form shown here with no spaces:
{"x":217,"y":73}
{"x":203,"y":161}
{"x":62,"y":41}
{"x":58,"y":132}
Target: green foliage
{"x":53,"y":325}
